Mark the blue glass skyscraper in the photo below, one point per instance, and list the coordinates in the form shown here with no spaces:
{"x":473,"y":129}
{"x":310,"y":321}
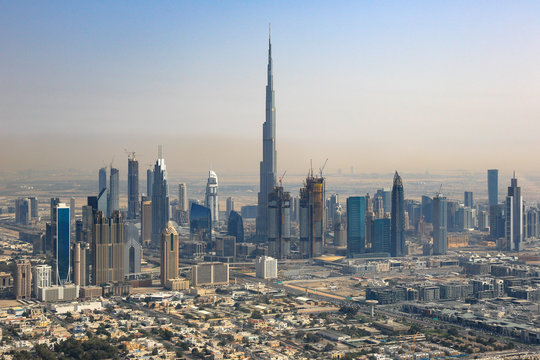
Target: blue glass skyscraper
{"x":381,"y":236}
{"x":113,"y":198}
{"x":63,"y":253}
{"x":493,"y":186}
{"x":102,"y":179}
{"x":356,"y":225}
{"x":160,"y":200}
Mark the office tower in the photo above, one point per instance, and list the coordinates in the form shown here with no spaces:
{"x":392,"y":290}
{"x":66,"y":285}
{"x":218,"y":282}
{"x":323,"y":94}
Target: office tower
{"x":72,"y":211}
{"x":235,"y":226}
{"x":113,"y":196}
{"x":378,"y":207}
{"x":452,"y":223}
{"x":533,"y":220}
{"x":182,"y":197}
{"x":340,"y":228}
{"x":133,"y":187}
{"x":331,"y":206}
{"x":386,"y":198}
{"x":229,"y":206}
{"x":22,"y":279}
{"x":468,"y":199}
{"x":356,"y":225}
{"x":440,"y":233}
{"x":169,"y":255}
{"x":132,"y":250}
{"x":42,"y":277}
{"x":312,"y":216}
{"x":108,"y":249}
{"x":33,"y":207}
{"x":427,"y":208}
{"x":102,"y":201}
{"x":210,"y":274}
{"x":146,"y":221}
{"x":63,"y":244}
{"x":279,"y":223}
{"x":211,"y":198}
{"x":149,"y":182}
{"x":397,"y":227}
{"x":381,"y":236}
{"x":493,"y":202}
{"x":200,"y":223}
{"x":268,"y":165}
{"x":102,"y":179}
{"x":23,"y":211}
{"x":51,"y":233}
{"x":464,"y":219}
{"x":266,"y":267}
{"x":160,"y":200}
{"x":514,"y":217}
{"x":79,"y":264}
{"x":226,"y":246}
{"x":87,"y":223}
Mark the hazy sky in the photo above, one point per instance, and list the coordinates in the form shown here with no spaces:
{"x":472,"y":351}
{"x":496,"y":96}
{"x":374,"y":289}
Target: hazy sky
{"x":377,"y":85}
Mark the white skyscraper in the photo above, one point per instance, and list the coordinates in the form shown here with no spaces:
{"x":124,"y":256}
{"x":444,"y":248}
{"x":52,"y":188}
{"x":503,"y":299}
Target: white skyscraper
{"x":182,"y":197}
{"x":212,"y":201}
{"x":266,"y":267}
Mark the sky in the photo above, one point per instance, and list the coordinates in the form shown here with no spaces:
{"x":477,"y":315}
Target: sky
{"x":374,"y":85}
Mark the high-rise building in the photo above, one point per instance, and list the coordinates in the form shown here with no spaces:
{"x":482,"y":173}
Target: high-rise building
{"x":312,"y":216}
{"x":33,"y":207}
{"x":468,"y":199}
{"x":133,"y":187}
{"x":266,"y":267}
{"x":226,"y":246}
{"x":63,"y":245}
{"x":279,"y":223}
{"x":440,"y":233}
{"x":149,"y":182}
{"x":22,"y":279}
{"x":132,"y":250}
{"x":169,"y":255}
{"x":72,"y":211}
{"x":397,"y":227}
{"x":113,"y":196}
{"x":211,"y":198}
{"x":102,"y":179}
{"x":23,"y":211}
{"x":42,"y":277}
{"x":51,"y":233}
{"x":268,"y":165}
{"x":146,"y":221}
{"x":356,"y":225}
{"x":182,"y":197}
{"x":378,"y":207}
{"x":235,"y":226}
{"x":200,"y":223}
{"x":427,"y":208}
{"x":210,"y":274}
{"x":493,"y":186}
{"x":381,"y":236}
{"x":103,"y":201}
{"x":160,"y":200}
{"x":79,"y":264}
{"x":229,"y":206}
{"x":514,"y":217}
{"x":108,"y":249}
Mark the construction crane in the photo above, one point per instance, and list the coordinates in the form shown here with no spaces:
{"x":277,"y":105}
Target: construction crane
{"x":322,"y":168}
{"x":111,"y":163}
{"x":131,"y":154}
{"x":281,"y":178}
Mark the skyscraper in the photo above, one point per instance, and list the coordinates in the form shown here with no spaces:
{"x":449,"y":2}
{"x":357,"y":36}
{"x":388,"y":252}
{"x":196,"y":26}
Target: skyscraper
{"x":160,"y":200}
{"x":169,"y":255}
{"x":22,"y":279}
{"x":113,"y":197}
{"x":381,"y":236}
{"x":468,"y":199}
{"x":108,"y":249}
{"x":63,"y":245}
{"x":493,"y":201}
{"x":133,"y":187}
{"x":149,"y":182}
{"x":514,"y":217}
{"x":211,"y":198}
{"x":268,"y":165}
{"x":229,"y":206}
{"x":102,"y":179}
{"x":146,"y":221}
{"x":356,"y":225}
{"x":397,"y":227}
{"x":279,"y":223}
{"x":440,"y":232}
{"x":235,"y":226}
{"x":312,"y":216}
{"x":182,"y":197}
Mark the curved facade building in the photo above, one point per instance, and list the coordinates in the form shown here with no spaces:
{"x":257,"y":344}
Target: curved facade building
{"x":235,"y":226}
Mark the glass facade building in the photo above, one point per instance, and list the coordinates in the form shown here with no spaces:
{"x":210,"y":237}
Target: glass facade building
{"x":356,"y":225}
{"x":200,"y":223}
{"x":63,"y":251}
{"x":235,"y":226}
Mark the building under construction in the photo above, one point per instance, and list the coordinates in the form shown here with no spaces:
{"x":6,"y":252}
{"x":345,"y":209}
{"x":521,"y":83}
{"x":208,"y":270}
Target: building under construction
{"x":312,"y":216}
{"x":279,"y":223}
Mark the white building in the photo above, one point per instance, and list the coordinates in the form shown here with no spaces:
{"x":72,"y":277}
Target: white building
{"x":42,"y":277}
{"x":212,"y":201}
{"x":266,"y":267}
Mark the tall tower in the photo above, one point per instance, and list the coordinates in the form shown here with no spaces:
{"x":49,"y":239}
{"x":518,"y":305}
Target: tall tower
{"x":133,"y":186}
{"x":108,"y":249}
{"x":493,"y":201}
{"x":397,"y":227}
{"x":269,"y":163}
{"x":63,"y":244}
{"x":514,"y":217}
{"x":22,"y":279}
{"x":113,"y":198}
{"x":279,"y":223}
{"x":440,"y":231}
{"x":169,"y":255}
{"x":211,"y":199}
{"x":102,"y":179}
{"x":160,"y":200}
{"x":312,"y":216}
{"x":356,"y":225}
{"x":182,"y":197}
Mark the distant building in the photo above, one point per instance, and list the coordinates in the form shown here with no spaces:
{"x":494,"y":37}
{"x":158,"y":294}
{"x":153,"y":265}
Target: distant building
{"x":149,"y":182}
{"x":211,"y":198}
{"x":22,"y":279}
{"x":493,"y":202}
{"x":182,"y":197}
{"x":200,"y":223}
{"x":132,"y":250}
{"x":266,"y":267}
{"x":229,"y":206}
{"x":381,"y":236}
{"x":23,"y":211}
{"x":279,"y":223}
{"x":169,"y":255}
{"x":62,"y":257}
{"x":249,"y":211}
{"x":146,"y":221}
{"x":42,"y":277}
{"x":102,"y":179}
{"x":514,"y":217}
{"x":133,"y":187}
{"x":356,"y":225}
{"x":440,"y":233}
{"x":210,"y":274}
{"x":108,"y":249}
{"x":235,"y":226}
{"x":160,"y":200}
{"x":468,"y":199}
{"x":80,"y":267}
{"x":312,"y":216}
{"x":113,"y":196}
{"x":397,"y":227}
{"x":226,"y":246}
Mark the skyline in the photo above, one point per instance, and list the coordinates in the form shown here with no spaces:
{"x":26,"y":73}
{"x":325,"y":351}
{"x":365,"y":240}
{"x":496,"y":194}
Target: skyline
{"x":387,"y":86}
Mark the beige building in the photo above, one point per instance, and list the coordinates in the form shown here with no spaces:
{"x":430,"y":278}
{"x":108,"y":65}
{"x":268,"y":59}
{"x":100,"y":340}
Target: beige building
{"x":169,"y":255}
{"x":108,"y":249}
{"x":210,"y":274}
{"x":146,"y":221}
{"x":22,"y":278}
